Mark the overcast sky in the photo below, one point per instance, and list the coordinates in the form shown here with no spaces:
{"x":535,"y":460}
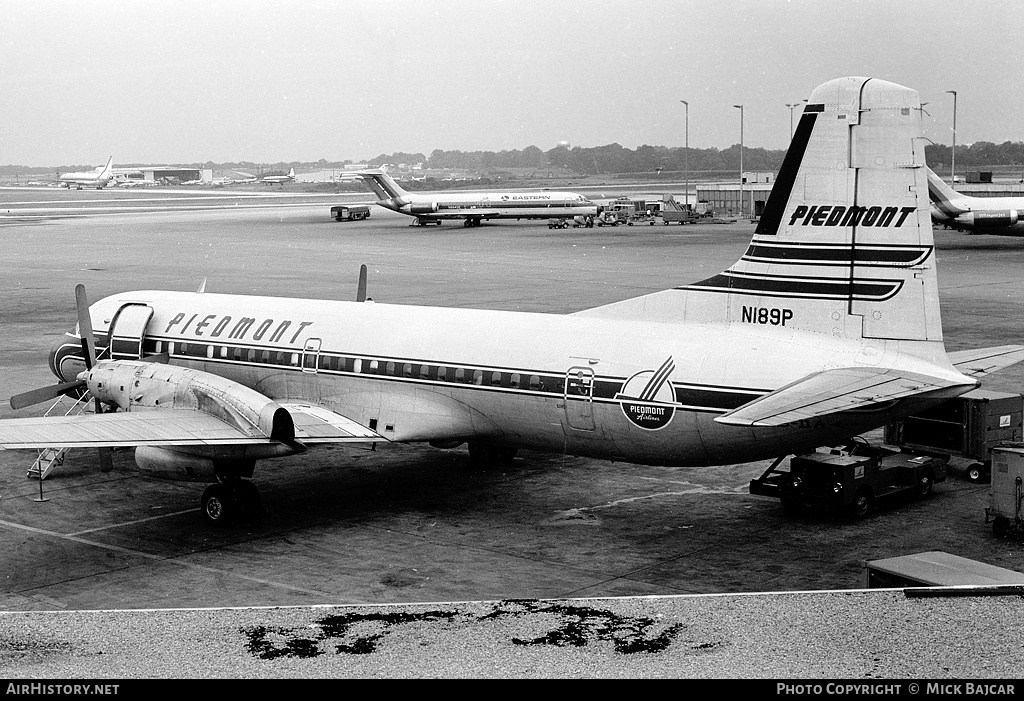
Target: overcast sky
{"x":281,"y":80}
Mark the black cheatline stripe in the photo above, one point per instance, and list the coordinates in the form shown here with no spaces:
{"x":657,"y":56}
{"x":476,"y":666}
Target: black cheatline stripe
{"x":783,"y":187}
{"x":879,"y":290}
{"x":832,"y":255}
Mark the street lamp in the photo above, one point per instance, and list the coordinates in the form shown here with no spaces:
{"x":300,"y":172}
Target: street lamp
{"x":686,"y":155}
{"x":742,"y":203}
{"x":952,"y":168}
{"x":791,"y":107}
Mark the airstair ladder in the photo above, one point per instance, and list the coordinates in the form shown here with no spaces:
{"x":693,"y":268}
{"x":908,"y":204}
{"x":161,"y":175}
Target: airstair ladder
{"x":50,"y":458}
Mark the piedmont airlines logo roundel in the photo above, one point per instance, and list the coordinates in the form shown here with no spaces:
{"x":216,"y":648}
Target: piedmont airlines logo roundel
{"x":647,"y":398}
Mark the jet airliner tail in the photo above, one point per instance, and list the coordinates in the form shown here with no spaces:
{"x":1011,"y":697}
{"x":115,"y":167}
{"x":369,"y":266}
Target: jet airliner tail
{"x":383,"y":185}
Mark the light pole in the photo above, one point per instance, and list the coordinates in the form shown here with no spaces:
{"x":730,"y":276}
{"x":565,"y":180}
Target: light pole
{"x":791,"y":107}
{"x":742,"y":203}
{"x":952,"y":168}
{"x":686,"y":155}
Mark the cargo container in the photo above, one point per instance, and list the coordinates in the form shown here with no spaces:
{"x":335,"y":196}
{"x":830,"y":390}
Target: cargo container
{"x":968,"y":426}
{"x":1006,"y":496}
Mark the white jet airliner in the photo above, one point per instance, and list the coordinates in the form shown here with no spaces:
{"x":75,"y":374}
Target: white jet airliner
{"x":1000,"y":216}
{"x":474,"y":207}
{"x":97,"y":178}
{"x":826,"y":327}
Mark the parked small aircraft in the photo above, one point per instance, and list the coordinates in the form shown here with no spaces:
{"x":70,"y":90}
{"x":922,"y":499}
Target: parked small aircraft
{"x":279,"y":179}
{"x":97,"y":178}
{"x":826,"y":327}
{"x":1000,"y":216}
{"x":474,"y":207}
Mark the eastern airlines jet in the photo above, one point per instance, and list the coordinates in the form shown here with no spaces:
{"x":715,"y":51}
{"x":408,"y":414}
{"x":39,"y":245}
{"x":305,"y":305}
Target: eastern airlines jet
{"x":474,"y":207}
{"x":826,"y":327}
{"x":1000,"y":216}
{"x":97,"y":178}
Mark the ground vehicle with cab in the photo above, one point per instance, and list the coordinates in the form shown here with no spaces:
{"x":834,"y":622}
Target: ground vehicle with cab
{"x":350,"y":212}
{"x":850,"y":479}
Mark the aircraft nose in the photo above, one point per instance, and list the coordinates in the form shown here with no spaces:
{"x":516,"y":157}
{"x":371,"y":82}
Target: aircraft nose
{"x":65,"y":358}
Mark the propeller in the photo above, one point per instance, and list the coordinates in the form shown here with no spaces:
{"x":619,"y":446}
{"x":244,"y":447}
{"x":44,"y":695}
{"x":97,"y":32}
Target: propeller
{"x":361,"y":290}
{"x":43,"y":394}
{"x":89,"y":353}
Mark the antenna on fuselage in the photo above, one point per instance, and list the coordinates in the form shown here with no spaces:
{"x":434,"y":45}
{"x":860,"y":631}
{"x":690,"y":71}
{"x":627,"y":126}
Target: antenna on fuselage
{"x":202,"y":287}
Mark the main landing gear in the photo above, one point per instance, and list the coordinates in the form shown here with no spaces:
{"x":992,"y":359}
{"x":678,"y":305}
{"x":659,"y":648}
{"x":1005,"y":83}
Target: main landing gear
{"x":471,"y":221}
{"x":230,"y":502}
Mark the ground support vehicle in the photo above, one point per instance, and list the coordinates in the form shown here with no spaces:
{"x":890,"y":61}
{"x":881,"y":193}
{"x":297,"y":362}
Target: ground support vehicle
{"x":849,"y":479}
{"x":584,"y":221}
{"x":348,"y":212}
{"x":1006,"y":496}
{"x":970,"y":426}
{"x":673,"y":217}
{"x":558,"y":223}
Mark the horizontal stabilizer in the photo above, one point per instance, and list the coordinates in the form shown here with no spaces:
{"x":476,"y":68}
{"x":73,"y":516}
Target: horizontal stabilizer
{"x":979,"y":362}
{"x":834,"y":391}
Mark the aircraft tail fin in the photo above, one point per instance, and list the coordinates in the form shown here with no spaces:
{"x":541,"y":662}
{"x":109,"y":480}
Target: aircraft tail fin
{"x":382,"y":184}
{"x":844,"y":247}
{"x":107,"y":168}
{"x":942,"y":195}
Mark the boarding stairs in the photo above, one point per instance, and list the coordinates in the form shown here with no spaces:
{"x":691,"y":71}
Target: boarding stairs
{"x":49,"y":458}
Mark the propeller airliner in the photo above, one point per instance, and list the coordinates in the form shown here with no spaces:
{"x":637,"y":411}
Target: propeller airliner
{"x":826,"y":327}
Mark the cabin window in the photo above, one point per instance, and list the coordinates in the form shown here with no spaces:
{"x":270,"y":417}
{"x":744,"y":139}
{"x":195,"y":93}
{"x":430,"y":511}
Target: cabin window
{"x":535,"y":383}
{"x":224,"y":351}
{"x":250,"y":355}
{"x":357,"y":365}
{"x":442,"y":373}
{"x":390,"y":368}
{"x":209,"y":351}
{"x":478,"y":377}
{"x":424,"y":372}
{"x":460,"y":374}
{"x":373,"y":365}
{"x":495,"y":378}
{"x":407,"y":370}
{"x":513,"y":381}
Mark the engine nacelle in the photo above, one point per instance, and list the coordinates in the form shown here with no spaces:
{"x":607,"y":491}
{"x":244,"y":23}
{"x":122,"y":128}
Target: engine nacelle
{"x":420,"y":208}
{"x":171,"y":464}
{"x":986,"y":219}
{"x":134,"y":385}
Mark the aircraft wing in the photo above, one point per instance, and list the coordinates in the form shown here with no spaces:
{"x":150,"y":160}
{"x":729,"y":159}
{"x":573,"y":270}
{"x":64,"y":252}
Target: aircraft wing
{"x":314,"y":424}
{"x":979,"y":362}
{"x":171,"y":427}
{"x":833,"y":391}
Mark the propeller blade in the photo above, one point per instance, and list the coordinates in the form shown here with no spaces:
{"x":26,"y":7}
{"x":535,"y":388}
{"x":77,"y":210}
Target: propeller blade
{"x":85,"y":326}
{"x":361,"y":290}
{"x":35,"y":396}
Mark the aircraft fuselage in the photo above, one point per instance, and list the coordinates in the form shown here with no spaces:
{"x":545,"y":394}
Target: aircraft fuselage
{"x":623,"y":390}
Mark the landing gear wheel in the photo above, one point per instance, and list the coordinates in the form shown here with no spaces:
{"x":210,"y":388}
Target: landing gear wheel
{"x":976,"y":472}
{"x":924,"y":485}
{"x":218,"y":505}
{"x":861,"y":505}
